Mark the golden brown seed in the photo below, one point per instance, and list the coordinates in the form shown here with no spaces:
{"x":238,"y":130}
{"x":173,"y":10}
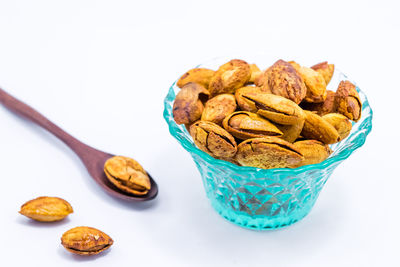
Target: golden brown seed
{"x":213,"y":139}
{"x":243,"y":103}
{"x":328,"y":106}
{"x":199,"y":75}
{"x":262,"y":81}
{"x":46,"y":209}
{"x":341,"y":123}
{"x":282,"y":79}
{"x":294,"y":64}
{"x":315,"y":127}
{"x":245,"y":125}
{"x":188,"y":104}
{"x":255,"y":72}
{"x":86,"y":241}
{"x":128,"y":175}
{"x":230,"y":77}
{"x":315,"y":83}
{"x":275,"y":108}
{"x":291,"y":132}
{"x":218,"y":107}
{"x":313,"y":151}
{"x":287,"y":114}
{"x":326,"y":70}
{"x":268,"y":153}
{"x":348,"y":101}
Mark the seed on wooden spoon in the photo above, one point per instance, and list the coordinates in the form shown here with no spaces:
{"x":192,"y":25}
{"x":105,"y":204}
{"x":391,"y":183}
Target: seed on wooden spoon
{"x":128,"y":175}
{"x":92,"y":158}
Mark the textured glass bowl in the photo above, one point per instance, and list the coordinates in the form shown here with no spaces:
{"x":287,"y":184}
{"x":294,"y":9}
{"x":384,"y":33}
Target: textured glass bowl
{"x":266,"y":199}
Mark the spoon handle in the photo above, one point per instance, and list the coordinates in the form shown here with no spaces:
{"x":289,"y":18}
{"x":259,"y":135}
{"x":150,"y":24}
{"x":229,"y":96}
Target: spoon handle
{"x":29,"y":113}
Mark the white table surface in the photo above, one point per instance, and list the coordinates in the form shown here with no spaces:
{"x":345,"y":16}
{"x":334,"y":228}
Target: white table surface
{"x":101,"y":69}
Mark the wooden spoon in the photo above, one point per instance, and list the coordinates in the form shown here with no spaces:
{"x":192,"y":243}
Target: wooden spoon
{"x":93,"y":159}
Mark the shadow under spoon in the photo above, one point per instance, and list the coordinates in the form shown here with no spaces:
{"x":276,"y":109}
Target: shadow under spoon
{"x":92,"y":158}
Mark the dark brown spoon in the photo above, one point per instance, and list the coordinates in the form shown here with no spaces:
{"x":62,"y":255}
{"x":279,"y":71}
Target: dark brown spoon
{"x":93,"y":159}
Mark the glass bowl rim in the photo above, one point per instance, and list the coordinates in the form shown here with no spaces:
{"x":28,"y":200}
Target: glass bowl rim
{"x":178,"y":134}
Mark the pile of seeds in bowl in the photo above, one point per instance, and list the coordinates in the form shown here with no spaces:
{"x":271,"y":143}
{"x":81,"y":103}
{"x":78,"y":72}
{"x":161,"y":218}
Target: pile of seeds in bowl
{"x":283,"y":117}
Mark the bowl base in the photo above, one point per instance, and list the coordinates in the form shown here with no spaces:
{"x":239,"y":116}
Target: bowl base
{"x":259,"y":224}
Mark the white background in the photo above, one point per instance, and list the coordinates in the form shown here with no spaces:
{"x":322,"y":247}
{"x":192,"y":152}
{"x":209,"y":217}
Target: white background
{"x":100,"y":69}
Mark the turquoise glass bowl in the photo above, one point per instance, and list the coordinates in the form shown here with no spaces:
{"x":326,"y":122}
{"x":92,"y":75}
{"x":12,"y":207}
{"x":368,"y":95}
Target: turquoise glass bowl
{"x":266,"y":199}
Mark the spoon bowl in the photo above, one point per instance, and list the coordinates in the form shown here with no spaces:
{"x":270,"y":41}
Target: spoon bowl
{"x":95,"y":161}
{"x":92,"y":158}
